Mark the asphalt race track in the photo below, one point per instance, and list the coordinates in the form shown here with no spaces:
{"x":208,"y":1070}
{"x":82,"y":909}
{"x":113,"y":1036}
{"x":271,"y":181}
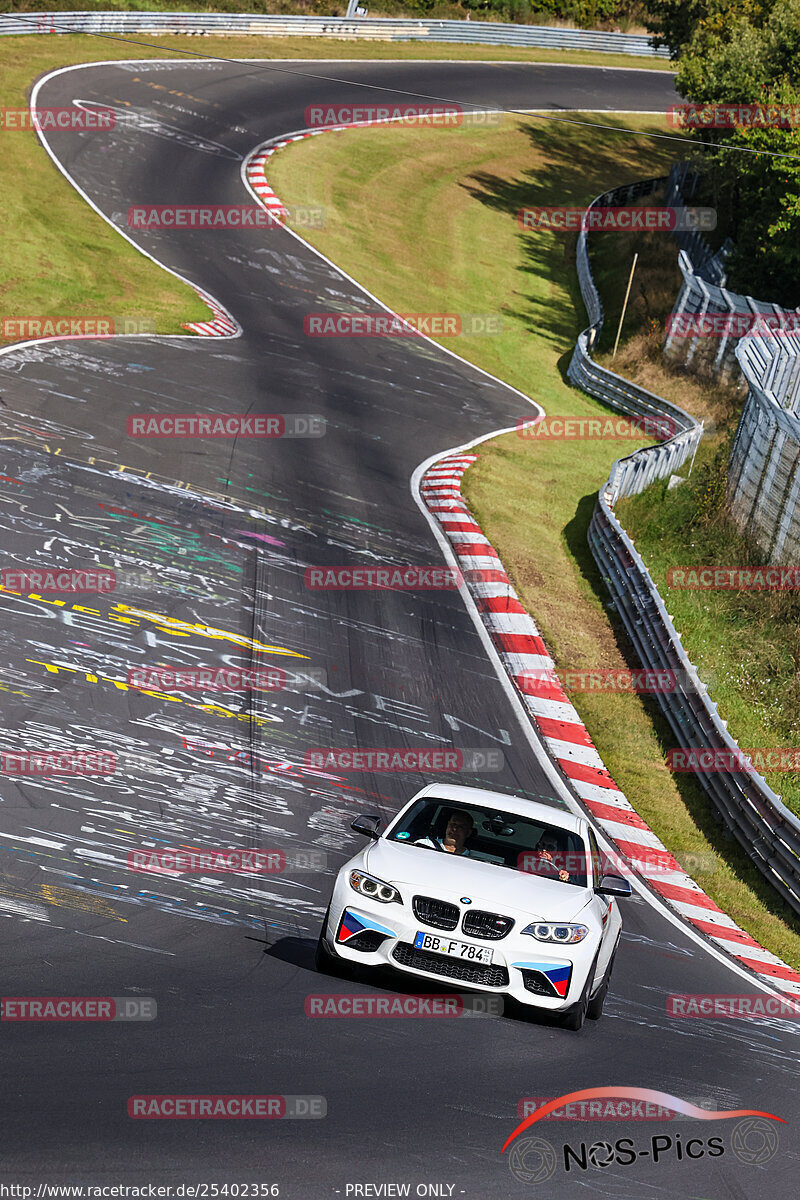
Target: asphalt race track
{"x":210,"y":539}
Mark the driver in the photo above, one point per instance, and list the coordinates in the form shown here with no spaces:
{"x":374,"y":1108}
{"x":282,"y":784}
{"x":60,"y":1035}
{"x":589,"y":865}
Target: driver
{"x":459,"y":827}
{"x":546,"y":847}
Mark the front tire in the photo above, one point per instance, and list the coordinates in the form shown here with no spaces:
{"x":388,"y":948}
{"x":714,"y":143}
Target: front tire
{"x":594,"y":1009}
{"x":573,"y":1018}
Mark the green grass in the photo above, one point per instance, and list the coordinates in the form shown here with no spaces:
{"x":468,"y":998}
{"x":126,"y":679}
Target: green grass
{"x":454,"y":192}
{"x":748,"y":641}
{"x":425,"y":219}
{"x":60,"y":258}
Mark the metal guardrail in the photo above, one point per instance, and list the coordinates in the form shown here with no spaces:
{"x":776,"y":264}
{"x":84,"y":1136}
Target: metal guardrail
{"x":632,"y":474}
{"x":704,"y":294}
{"x":765,"y":828}
{"x":746,"y":805}
{"x":490,"y":33}
{"x":763,"y":491}
{"x":764,"y":468}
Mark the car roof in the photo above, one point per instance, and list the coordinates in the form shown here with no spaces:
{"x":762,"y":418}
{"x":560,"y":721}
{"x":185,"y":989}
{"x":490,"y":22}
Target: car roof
{"x":460,"y":794}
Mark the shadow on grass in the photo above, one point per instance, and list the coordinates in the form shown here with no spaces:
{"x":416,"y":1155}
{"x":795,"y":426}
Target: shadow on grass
{"x":573,"y":165}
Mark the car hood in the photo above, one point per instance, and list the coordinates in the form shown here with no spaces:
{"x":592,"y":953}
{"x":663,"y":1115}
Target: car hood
{"x":449,"y":877}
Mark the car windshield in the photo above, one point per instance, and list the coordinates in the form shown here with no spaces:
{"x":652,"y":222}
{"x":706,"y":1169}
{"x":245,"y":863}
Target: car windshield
{"x":492,"y":835}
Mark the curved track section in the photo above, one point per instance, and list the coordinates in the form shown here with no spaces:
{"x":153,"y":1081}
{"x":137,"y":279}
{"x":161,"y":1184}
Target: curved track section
{"x":211,"y":540}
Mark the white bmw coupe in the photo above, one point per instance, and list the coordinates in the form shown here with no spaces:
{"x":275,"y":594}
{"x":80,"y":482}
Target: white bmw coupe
{"x":484,"y":891}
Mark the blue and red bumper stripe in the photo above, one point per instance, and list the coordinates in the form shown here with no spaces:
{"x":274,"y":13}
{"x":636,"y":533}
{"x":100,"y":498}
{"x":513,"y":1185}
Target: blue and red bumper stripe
{"x":353,"y":923}
{"x":556,"y":974}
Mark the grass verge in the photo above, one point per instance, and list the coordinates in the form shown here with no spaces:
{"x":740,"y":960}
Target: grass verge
{"x":59,"y":257}
{"x":426,"y":220}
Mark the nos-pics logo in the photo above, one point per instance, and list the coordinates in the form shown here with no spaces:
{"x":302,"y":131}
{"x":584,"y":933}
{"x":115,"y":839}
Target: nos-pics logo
{"x":533,"y":1159}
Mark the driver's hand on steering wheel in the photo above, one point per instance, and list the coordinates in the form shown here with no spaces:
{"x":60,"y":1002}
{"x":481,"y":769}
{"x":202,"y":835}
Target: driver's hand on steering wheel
{"x":546,"y":856}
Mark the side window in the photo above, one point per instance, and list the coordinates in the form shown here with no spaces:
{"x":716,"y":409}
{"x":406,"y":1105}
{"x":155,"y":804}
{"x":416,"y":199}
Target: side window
{"x":596,"y":858}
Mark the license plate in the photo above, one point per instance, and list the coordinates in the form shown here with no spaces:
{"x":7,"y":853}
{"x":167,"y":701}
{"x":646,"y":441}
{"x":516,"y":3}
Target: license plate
{"x":449,"y":946}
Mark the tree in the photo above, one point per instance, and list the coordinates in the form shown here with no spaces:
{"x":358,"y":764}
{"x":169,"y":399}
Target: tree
{"x":747,"y":53}
{"x":677,"y":22}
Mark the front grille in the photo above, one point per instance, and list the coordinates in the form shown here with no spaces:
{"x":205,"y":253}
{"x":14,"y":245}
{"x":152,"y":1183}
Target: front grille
{"x":489,"y":925}
{"x":436,"y":913}
{"x":539,"y":984}
{"x":450,"y":968}
{"x":367,"y":941}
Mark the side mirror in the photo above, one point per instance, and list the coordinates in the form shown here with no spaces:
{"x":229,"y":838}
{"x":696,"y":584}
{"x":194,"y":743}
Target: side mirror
{"x":369,"y":824}
{"x":613,"y":885}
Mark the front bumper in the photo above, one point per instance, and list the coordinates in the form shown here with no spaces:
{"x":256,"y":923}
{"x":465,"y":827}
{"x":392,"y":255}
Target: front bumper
{"x":539,"y":974}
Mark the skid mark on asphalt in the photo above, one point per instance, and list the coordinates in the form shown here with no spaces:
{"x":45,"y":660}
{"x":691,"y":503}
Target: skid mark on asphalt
{"x":200,"y":771}
{"x":18,"y":905}
{"x":292,"y":518}
{"x":62,"y":897}
{"x":163,"y":794}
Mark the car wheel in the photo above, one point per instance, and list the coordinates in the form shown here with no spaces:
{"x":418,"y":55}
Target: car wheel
{"x":572,"y":1019}
{"x":326,"y":962}
{"x":594,"y":1009}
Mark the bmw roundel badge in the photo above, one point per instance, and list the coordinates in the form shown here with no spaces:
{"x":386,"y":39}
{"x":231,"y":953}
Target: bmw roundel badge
{"x":466,"y":900}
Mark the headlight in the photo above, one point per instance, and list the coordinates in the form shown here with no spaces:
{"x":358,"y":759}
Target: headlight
{"x":566,"y":934}
{"x":376,"y":889}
